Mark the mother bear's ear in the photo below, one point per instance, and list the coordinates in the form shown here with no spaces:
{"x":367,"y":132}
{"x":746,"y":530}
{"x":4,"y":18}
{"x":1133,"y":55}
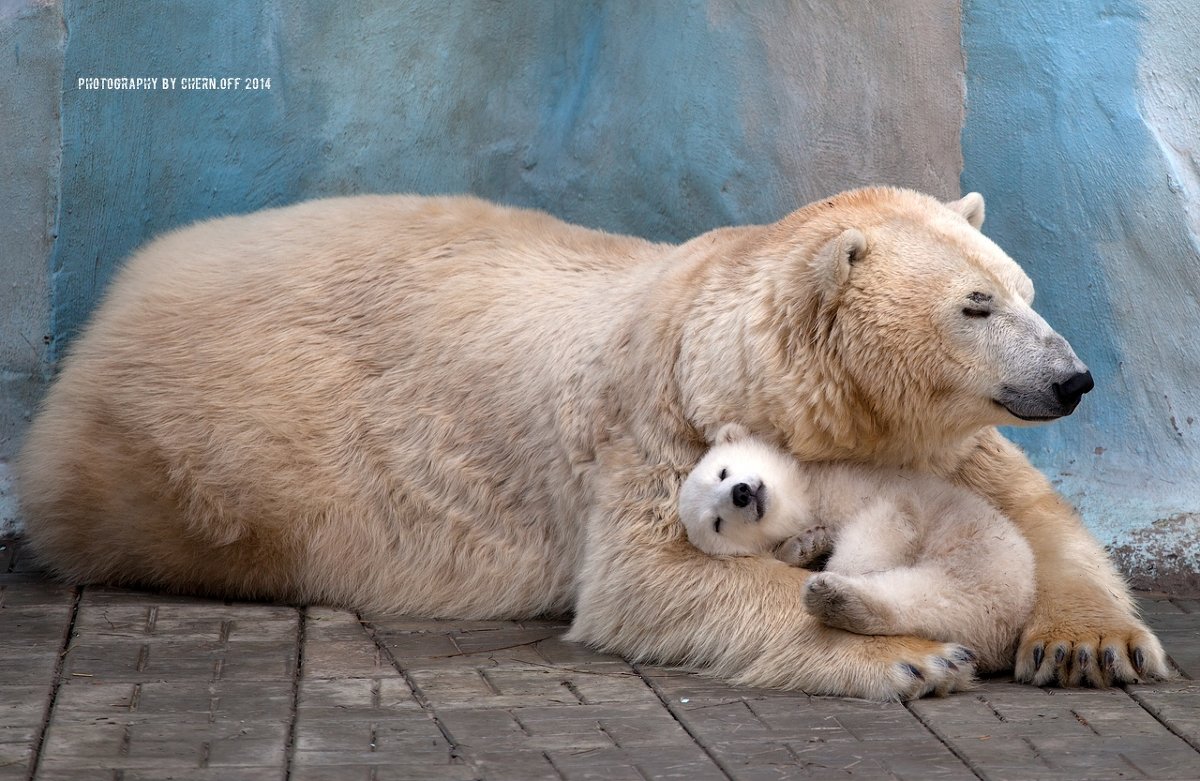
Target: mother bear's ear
{"x":970,"y":206}
{"x":833,"y":261}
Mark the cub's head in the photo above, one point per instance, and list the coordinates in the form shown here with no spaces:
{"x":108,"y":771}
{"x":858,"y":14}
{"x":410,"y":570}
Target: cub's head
{"x":742,"y":495}
{"x":890,"y":309}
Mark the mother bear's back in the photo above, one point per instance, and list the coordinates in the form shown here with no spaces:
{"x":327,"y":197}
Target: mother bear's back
{"x":344,"y":400}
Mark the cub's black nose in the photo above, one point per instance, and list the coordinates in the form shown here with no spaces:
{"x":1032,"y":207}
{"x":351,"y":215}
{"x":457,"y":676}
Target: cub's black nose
{"x":742,"y":495}
{"x":1071,"y":391}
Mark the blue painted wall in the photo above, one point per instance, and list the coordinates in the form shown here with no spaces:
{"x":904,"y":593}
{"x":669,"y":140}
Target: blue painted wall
{"x":658,"y":119}
{"x":1068,"y":106}
{"x":31,"y":39}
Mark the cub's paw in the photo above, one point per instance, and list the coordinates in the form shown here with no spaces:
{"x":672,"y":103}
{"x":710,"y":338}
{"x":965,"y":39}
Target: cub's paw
{"x":1126,"y":652}
{"x":806,"y":547}
{"x":939,"y":669}
{"x":840,"y":601}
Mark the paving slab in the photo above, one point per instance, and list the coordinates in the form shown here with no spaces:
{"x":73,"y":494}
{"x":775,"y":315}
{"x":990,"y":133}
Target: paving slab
{"x":35,"y":618}
{"x":109,"y":683}
{"x":1009,"y":730}
{"x":761,"y":734}
{"x":1177,"y":626}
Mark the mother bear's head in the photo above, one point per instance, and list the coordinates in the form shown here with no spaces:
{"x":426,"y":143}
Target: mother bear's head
{"x":877,"y":321}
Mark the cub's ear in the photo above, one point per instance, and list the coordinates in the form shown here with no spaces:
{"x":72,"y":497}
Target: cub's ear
{"x":970,"y":206}
{"x":834,"y":260}
{"x":731,"y":432}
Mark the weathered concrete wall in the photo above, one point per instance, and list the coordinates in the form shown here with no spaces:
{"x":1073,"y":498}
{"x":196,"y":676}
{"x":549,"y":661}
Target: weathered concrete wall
{"x":651,"y":118}
{"x":31,"y":52}
{"x":1082,"y":125}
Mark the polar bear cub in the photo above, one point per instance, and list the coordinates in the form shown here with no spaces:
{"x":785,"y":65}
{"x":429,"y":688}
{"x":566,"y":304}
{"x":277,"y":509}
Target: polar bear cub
{"x":910,"y":554}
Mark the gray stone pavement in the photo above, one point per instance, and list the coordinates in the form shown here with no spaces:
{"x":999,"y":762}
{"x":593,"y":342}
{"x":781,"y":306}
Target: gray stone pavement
{"x":100,"y":683}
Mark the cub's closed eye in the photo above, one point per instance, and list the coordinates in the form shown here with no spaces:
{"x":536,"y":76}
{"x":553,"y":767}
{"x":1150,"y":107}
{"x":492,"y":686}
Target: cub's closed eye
{"x":971,"y":311}
{"x":722,"y":476}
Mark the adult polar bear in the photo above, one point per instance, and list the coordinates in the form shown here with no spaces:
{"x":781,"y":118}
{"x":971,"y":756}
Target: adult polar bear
{"x":444,"y":407}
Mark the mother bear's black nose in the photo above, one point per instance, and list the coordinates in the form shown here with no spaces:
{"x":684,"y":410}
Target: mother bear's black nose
{"x":741,"y":495}
{"x":1071,"y":391}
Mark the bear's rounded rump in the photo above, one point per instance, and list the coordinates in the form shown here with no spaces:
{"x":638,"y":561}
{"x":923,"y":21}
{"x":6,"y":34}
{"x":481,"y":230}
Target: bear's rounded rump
{"x":343,"y":400}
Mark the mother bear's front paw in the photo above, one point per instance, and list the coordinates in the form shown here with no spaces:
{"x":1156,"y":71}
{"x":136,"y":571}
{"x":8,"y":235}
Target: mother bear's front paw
{"x":939,"y":669}
{"x":1102,"y":654}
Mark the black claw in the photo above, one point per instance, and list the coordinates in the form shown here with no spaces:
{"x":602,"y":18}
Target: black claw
{"x":1139,"y":661}
{"x":1039,"y":654}
{"x":1110,"y":659}
{"x":914,"y":672}
{"x":966,"y":655}
{"x":1084,"y":656}
{"x":1060,"y":653}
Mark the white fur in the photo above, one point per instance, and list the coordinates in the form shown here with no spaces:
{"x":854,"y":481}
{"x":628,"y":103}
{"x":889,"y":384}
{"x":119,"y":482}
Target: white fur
{"x":445,"y":407}
{"x":911,"y":554}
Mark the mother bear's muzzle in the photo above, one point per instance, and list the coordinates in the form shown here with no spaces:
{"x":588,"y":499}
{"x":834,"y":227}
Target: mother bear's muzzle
{"x":1053,"y":400}
{"x":1046,"y":380}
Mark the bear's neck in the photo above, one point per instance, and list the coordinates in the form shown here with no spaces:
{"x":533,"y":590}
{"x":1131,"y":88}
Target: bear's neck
{"x":822,"y":414}
{"x":782,"y":374}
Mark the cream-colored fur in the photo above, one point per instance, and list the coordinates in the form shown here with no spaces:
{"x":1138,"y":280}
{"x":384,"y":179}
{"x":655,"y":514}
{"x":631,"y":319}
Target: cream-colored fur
{"x":445,"y":407}
{"x":909,"y":553}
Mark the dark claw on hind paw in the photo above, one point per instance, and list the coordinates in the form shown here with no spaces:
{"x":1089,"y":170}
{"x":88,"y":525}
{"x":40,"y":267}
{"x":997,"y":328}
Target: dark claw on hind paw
{"x":1110,"y":659}
{"x":966,"y":655}
{"x":1059,"y":655}
{"x":1139,"y":661}
{"x":914,"y":672}
{"x":1039,"y":654}
{"x":1084,"y":657}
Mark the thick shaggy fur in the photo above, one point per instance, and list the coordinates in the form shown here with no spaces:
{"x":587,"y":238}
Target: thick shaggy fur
{"x":449,"y":408}
{"x":909,"y":553}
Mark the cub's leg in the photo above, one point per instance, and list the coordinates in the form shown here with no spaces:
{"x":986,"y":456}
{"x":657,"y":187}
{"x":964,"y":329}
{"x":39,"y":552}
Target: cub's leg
{"x":865,"y":604}
{"x":921,"y":601}
{"x":970,"y":585}
{"x":806,"y":547}
{"x":881,"y":536}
